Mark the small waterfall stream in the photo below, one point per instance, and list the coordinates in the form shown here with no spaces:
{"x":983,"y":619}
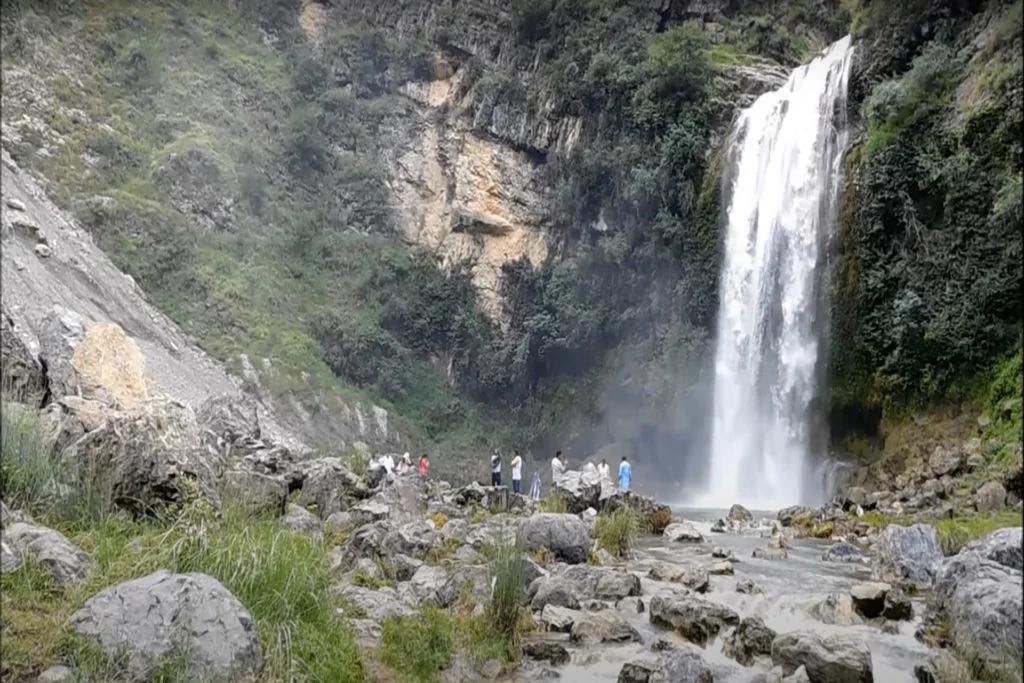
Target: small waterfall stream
{"x":786,"y":153}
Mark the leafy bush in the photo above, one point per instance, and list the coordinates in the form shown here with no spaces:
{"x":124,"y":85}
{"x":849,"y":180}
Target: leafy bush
{"x":418,"y":646}
{"x":617,"y":532}
{"x":657,"y":521}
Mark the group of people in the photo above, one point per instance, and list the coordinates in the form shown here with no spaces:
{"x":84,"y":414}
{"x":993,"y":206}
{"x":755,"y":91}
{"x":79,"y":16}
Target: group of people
{"x":405,"y":465}
{"x":557,"y":470}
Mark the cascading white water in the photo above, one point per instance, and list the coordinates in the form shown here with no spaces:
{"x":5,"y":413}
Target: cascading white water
{"x":786,"y":151}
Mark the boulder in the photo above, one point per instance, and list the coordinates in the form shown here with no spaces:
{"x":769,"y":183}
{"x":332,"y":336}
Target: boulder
{"x":10,"y":558}
{"x":565,"y":535}
{"x":329,"y":484}
{"x":23,"y":374}
{"x":1005,"y":546}
{"x":254,"y":492}
{"x":991,"y":496}
{"x":378,"y":604}
{"x":556,"y":618}
{"x":827,"y":658}
{"x":602,"y":583}
{"x":434,"y":585}
{"x":300,"y":519}
{"x":404,"y":567}
{"x":748,"y":587}
{"x":945,"y":461}
{"x":549,"y":590}
{"x":751,"y":638}
{"x":876,"y":599}
{"x":683,"y":532}
{"x":836,"y":610}
{"x":697,"y":620}
{"x":982,"y":600}
{"x":907,"y":555}
{"x":92,"y":360}
{"x":842,"y":551}
{"x":163,"y":614}
{"x":50,"y":549}
{"x":653,"y":515}
{"x":546,"y":651}
{"x":580,"y":490}
{"x":674,"y":665}
{"x":594,"y":628}
{"x":693,"y":578}
{"x":56,"y":673}
{"x":796,"y":514}
{"x":414,"y":538}
{"x":856,"y":495}
{"x":739,"y":514}
{"x":721,"y":569}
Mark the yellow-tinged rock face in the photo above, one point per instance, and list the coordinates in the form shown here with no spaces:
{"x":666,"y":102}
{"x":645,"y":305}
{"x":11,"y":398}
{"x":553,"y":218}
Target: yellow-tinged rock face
{"x":107,"y":360}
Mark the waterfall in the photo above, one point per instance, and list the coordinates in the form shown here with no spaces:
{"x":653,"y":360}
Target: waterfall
{"x":786,"y":155}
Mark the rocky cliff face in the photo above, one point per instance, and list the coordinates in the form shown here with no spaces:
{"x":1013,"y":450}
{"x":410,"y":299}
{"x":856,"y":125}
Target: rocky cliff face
{"x":68,"y":311}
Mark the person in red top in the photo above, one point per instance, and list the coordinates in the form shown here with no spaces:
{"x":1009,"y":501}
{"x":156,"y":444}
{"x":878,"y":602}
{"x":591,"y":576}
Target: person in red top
{"x":424,"y":465}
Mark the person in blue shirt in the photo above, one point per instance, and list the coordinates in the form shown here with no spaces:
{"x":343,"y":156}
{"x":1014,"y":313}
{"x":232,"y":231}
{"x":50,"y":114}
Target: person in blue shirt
{"x":625,"y":474}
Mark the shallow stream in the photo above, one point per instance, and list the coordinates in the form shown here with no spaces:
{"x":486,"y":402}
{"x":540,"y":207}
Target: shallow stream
{"x":790,"y":588}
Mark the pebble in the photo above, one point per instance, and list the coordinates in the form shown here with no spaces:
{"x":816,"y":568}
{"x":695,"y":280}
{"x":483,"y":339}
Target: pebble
{"x":43,"y":251}
{"x":15,"y":204}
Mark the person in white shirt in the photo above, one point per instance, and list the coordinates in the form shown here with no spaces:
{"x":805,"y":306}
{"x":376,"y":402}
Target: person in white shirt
{"x":557,"y":467}
{"x":603,"y":469}
{"x":517,"y":472}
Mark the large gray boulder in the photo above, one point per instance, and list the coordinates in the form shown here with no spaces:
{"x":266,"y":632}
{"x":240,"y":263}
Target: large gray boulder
{"x":51,"y":549}
{"x":699,"y":621}
{"x":827,"y":658}
{"x":186,"y":615}
{"x":377,"y":604}
{"x":907,"y":555}
{"x":750,"y":639}
{"x":581,"y":490}
{"x":564,"y":535}
{"x":254,"y":492}
{"x":694,"y":578}
{"x":683,"y":532}
{"x":23,"y":373}
{"x":601,"y":583}
{"x":329,"y":484}
{"x":1005,"y":546}
{"x":555,"y":591}
{"x":679,"y":664}
{"x":592,"y":628}
{"x":982,"y":601}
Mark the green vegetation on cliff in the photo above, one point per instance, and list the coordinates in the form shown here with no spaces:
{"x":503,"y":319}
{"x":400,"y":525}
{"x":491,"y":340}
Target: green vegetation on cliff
{"x":928,"y":295}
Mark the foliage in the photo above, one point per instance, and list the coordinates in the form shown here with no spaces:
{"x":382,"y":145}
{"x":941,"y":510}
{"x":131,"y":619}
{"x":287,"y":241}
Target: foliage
{"x":617,"y":532}
{"x":931,"y":265}
{"x":657,"y":521}
{"x":282,"y":578}
{"x":419,"y":646}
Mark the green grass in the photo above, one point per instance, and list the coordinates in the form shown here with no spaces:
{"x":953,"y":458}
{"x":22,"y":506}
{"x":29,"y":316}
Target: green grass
{"x":617,"y":532}
{"x":419,"y":646}
{"x":281,"y":577}
{"x":553,"y":502}
{"x":954,"y":533}
{"x":508,"y":598}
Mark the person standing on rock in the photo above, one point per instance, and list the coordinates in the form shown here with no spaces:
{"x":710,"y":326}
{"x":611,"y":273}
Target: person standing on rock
{"x":625,"y":474}
{"x":557,"y":467}
{"x":424,"y":465}
{"x":517,"y":472}
{"x":535,"y":486}
{"x":495,"y":468}
{"x":603,"y":470}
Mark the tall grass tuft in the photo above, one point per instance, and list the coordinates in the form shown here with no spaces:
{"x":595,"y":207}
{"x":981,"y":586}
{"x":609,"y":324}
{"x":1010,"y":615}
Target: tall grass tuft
{"x":30,"y":471}
{"x":617,"y":531}
{"x":506,"y":608}
{"x":553,"y":502}
{"x":418,"y":646}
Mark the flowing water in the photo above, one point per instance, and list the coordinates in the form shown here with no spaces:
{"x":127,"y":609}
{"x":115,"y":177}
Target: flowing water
{"x":785,"y":159}
{"x":791,"y":587}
